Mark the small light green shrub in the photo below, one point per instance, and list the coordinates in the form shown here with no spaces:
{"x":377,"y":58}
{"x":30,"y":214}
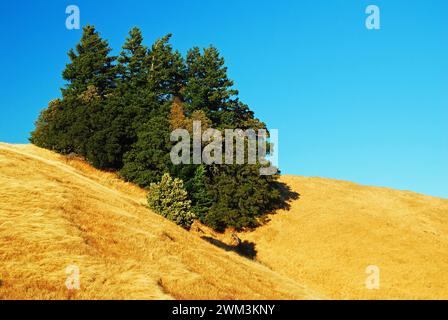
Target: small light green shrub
{"x":169,"y":199}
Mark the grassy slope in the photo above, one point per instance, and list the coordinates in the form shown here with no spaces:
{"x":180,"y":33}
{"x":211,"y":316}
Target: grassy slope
{"x":54,"y":213}
{"x":336,"y":229}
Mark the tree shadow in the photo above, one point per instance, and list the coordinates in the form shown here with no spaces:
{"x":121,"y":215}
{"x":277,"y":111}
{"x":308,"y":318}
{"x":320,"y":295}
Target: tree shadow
{"x":244,"y":248}
{"x":287,"y":195}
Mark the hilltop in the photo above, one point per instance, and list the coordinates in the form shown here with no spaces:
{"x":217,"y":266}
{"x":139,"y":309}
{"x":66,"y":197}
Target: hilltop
{"x":336,"y":229}
{"x":56,"y":212}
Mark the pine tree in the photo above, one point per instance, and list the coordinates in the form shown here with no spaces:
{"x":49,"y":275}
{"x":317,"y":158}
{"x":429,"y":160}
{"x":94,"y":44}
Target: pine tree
{"x":120,"y":117}
{"x":133,"y":60}
{"x":149,"y":156}
{"x":166,"y":70}
{"x":90,"y":65}
{"x":200,"y":196}
{"x":82,"y":116}
{"x":240,"y":196}
{"x":208,"y":88}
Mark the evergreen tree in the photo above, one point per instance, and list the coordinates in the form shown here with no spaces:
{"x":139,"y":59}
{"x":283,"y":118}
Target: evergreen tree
{"x":90,"y":65}
{"x":43,"y":134}
{"x":166,"y":70}
{"x":240,"y":196}
{"x":208,"y":88}
{"x":120,"y":117}
{"x":112,"y":133}
{"x":149,"y":156}
{"x":200,"y":196}
{"x":169,"y":199}
{"x":91,"y":77}
{"x":133,"y":60}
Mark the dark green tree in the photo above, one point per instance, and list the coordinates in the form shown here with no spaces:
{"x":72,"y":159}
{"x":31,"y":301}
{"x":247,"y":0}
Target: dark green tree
{"x":208,"y":88}
{"x":149,"y":156}
{"x":133,"y":61}
{"x":118,"y":117}
{"x":80,"y":116}
{"x":166,"y":70}
{"x":90,"y":65}
{"x":43,"y":134}
{"x":240,"y":196}
{"x":199,"y":194}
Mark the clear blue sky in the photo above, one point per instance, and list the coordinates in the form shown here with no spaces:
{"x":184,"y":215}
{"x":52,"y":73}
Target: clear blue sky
{"x":370,"y":106}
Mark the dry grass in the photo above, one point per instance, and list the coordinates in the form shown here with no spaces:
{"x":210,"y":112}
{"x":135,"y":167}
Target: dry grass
{"x":336,"y":229}
{"x":56,"y":212}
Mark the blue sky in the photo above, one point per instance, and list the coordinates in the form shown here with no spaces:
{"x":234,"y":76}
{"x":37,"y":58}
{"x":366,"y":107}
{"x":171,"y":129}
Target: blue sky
{"x":370,"y":106}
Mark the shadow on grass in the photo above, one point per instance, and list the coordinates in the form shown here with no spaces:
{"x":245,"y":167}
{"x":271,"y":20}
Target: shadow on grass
{"x":244,"y":248}
{"x":247,"y":248}
{"x":287,"y":195}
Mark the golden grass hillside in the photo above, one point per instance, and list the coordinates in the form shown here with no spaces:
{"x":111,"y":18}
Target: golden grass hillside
{"x":56,"y":212}
{"x":336,"y":229}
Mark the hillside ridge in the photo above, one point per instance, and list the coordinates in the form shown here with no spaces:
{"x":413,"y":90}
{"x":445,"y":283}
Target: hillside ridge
{"x":57,"y":212}
{"x":337,"y":229}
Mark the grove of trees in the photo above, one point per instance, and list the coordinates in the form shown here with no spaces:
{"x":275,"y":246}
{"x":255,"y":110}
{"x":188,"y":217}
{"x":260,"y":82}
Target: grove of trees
{"x":118,"y":113}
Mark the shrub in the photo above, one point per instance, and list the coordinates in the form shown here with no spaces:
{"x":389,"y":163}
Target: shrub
{"x":169,"y":199}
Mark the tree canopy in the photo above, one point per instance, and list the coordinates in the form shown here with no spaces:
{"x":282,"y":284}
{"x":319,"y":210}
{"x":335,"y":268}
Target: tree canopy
{"x":118,"y":113}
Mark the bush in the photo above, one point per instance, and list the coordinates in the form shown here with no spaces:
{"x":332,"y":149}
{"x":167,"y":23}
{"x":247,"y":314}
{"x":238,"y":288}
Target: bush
{"x":169,"y":199}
